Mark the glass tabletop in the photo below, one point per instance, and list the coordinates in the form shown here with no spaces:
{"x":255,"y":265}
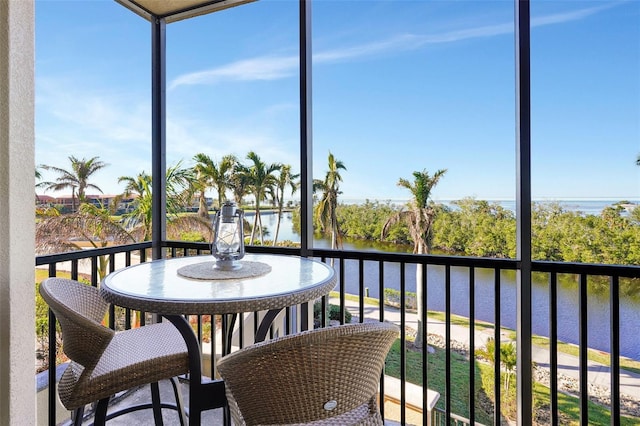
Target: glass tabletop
{"x":157,"y":286}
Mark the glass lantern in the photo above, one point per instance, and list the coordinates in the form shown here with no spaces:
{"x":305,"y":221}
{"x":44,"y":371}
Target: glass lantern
{"x":228,"y":237}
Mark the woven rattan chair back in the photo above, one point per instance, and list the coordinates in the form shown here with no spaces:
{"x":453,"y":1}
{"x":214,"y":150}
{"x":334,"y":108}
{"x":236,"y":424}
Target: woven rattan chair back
{"x":104,"y":362}
{"x":328,"y":375}
{"x":80,"y":310}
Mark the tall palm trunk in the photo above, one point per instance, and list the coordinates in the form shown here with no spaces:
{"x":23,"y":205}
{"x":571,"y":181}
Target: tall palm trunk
{"x":260,"y":228}
{"x":203,"y":208}
{"x":419,"y":219}
{"x":275,"y":237}
{"x":334,"y":228}
{"x":257,"y":224}
{"x":420,"y":332}
{"x":253,"y":228}
{"x":420,"y":272}
{"x":73,"y":200}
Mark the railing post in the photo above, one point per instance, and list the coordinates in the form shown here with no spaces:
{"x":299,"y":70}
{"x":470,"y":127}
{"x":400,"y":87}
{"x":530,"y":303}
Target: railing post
{"x":158,"y":135}
{"x":523,"y":212}
{"x":306,"y":136}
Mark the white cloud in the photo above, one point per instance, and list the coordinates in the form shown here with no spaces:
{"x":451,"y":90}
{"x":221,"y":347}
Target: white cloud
{"x":71,"y":120}
{"x":116,"y":127}
{"x":575,"y":15}
{"x":277,"y":67}
{"x":185,"y":138}
{"x":261,"y":68}
{"x":102,"y":115}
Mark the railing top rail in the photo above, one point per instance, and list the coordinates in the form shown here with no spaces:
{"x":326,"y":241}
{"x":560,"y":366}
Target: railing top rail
{"x":427,"y":259}
{"x":630,"y":271}
{"x":83,"y":254}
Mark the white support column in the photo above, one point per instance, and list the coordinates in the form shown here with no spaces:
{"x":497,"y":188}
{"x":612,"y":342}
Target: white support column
{"x":17,"y":220}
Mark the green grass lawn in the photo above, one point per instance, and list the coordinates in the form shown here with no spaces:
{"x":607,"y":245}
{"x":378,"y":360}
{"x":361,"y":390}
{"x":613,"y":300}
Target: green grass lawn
{"x":436,"y":378}
{"x":568,"y":405}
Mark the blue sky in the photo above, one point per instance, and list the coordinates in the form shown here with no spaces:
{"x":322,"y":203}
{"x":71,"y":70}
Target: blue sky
{"x":398,"y":86}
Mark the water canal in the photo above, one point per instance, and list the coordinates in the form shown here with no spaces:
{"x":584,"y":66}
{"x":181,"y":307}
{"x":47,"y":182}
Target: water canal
{"x":568,"y":306}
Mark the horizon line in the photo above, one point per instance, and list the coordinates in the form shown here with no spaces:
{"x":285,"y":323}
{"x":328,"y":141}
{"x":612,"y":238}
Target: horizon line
{"x":392,"y":199}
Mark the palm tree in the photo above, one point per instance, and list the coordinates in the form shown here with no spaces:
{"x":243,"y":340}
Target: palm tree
{"x":202,"y":182}
{"x":38,"y":176}
{"x":260,"y":178}
{"x":284,"y":178}
{"x":326,"y":210}
{"x":179,"y":188}
{"x":76,"y":179}
{"x":508,"y":357}
{"x":419,"y":219}
{"x":222,"y":180}
{"x":91,"y":224}
{"x":43,"y":211}
{"x":238,"y":183}
{"x":178,"y":180}
{"x":140,"y":187}
{"x":212,"y":175}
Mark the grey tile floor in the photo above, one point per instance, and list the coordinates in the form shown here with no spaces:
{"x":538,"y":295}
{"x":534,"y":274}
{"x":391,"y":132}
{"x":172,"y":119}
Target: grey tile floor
{"x":145,"y":417}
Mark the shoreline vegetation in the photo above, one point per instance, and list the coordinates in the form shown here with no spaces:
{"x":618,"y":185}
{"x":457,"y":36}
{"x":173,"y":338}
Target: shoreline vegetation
{"x":609,"y":235}
{"x":483,"y":229}
{"x":479,"y":228}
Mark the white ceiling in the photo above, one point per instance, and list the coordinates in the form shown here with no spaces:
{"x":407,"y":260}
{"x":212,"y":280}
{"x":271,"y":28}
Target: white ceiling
{"x":176,"y":10}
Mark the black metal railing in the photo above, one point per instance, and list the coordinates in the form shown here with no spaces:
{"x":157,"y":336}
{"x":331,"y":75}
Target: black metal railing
{"x":361,"y":272}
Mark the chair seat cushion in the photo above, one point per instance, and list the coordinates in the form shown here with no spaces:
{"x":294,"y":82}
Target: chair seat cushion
{"x":133,"y":357}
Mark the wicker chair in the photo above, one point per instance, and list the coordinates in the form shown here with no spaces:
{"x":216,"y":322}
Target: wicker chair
{"x":104,"y":362}
{"x":327,"y":376}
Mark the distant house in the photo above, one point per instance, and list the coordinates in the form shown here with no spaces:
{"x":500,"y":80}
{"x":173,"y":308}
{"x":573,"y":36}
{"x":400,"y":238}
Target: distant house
{"x":65,"y":202}
{"x":45,"y":201}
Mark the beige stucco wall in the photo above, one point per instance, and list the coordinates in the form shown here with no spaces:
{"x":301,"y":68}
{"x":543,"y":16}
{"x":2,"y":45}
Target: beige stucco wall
{"x":17,"y":335}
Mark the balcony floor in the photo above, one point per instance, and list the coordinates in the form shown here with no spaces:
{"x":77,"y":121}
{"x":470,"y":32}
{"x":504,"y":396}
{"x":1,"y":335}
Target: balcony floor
{"x":145,"y":417}
{"x":170,"y":418}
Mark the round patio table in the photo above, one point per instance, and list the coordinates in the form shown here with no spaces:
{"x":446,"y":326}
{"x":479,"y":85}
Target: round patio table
{"x":183,"y":286}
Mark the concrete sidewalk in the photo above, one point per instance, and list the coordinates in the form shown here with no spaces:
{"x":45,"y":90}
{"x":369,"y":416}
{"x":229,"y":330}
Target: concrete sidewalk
{"x":598,"y":374}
